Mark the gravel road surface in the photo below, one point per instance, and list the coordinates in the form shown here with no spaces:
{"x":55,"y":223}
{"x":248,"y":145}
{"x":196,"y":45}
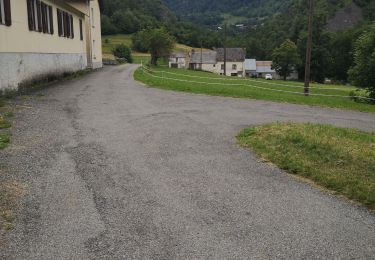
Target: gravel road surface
{"x":116,"y":170}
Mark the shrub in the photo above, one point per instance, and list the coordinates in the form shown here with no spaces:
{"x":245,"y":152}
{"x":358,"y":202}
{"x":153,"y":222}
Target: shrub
{"x":357,"y":94}
{"x":123,"y":52}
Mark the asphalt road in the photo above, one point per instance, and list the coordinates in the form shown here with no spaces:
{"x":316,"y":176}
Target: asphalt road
{"x":115,"y":170}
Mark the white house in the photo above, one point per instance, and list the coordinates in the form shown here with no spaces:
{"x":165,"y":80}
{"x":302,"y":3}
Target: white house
{"x":41,"y":38}
{"x":178,"y":60}
{"x":213,"y":61}
{"x":235,"y":61}
{"x":203,"y":60}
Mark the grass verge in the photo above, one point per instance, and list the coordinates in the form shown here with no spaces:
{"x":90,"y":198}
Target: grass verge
{"x":339,"y":159}
{"x":4,"y":140}
{"x":215,"y":85}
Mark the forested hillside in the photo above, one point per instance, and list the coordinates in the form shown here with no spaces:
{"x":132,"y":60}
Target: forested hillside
{"x":209,"y":13}
{"x":129,"y":16}
{"x":332,"y":51}
{"x":267,"y":24}
{"x":249,"y":12}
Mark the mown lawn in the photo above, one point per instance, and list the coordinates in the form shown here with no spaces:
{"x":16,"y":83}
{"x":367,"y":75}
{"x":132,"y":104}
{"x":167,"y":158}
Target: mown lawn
{"x":279,"y":91}
{"x":341,"y":160}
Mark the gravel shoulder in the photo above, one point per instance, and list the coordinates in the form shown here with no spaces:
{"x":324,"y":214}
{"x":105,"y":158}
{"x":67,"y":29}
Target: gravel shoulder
{"x":116,"y":170}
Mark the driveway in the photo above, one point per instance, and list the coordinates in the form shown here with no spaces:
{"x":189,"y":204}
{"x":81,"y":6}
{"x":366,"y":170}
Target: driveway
{"x":115,"y":170}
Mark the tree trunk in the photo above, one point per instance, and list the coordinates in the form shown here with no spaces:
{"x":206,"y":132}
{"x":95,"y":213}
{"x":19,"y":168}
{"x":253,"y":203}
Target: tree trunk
{"x":154,"y":60}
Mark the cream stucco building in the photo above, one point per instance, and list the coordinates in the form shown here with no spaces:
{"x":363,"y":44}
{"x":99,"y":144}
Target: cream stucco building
{"x":43,"y":38}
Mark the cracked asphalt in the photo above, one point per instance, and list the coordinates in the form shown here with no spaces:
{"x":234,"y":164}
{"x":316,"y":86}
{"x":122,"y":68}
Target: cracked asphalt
{"x":116,"y":170}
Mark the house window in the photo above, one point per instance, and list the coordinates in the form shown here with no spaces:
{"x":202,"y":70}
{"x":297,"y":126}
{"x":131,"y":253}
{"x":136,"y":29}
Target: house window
{"x":222,"y":66}
{"x":40,"y":16}
{"x":5,"y":13}
{"x":80,"y":30}
{"x":92,"y":18}
{"x":93,"y":49}
{"x":65,"y":24}
{"x":214,"y":65}
{"x":234,"y":67}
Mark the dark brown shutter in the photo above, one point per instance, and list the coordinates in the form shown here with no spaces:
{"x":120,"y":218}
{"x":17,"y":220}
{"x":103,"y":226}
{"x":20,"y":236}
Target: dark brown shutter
{"x":64,"y":24}
{"x":80,"y":29}
{"x":39,"y":15}
{"x":30,"y":15}
{"x":71,"y":26}
{"x":44,"y":17}
{"x":67,"y":25}
{"x":1,"y":8}
{"x":51,"y":31}
{"x":59,"y":22}
{"x":8,"y":14}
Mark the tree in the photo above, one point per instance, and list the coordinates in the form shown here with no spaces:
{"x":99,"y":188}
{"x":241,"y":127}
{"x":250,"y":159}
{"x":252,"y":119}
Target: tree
{"x":285,"y":58}
{"x":362,"y":73}
{"x":139,"y":41}
{"x":124,"y":52}
{"x":125,"y":21}
{"x":107,"y":27}
{"x":159,"y":43}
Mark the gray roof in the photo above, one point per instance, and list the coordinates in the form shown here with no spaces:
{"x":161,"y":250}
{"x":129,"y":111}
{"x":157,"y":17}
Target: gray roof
{"x":206,"y":57}
{"x":233,"y":54}
{"x":178,"y":55}
{"x":251,"y":64}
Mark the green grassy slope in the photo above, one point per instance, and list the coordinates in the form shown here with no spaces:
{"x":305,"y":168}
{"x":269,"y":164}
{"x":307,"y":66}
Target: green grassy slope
{"x":280,"y":91}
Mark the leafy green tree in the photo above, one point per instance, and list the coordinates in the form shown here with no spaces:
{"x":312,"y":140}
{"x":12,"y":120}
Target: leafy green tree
{"x":159,"y":43}
{"x":363,"y":72}
{"x":285,"y":58}
{"x":124,"y":52}
{"x":139,"y":41}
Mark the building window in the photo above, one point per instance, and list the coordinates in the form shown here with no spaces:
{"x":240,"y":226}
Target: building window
{"x":92,"y":18}
{"x":65,"y":24}
{"x":93,"y":49}
{"x":40,"y":16}
{"x":5,"y":13}
{"x":222,"y":66}
{"x":80,"y":29}
{"x":234,"y":67}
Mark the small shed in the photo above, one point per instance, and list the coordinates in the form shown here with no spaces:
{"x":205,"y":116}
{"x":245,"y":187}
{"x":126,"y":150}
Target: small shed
{"x":177,"y":60}
{"x":250,"y":67}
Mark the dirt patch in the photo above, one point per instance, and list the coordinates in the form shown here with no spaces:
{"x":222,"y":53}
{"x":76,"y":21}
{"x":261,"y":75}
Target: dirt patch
{"x":10,"y":194}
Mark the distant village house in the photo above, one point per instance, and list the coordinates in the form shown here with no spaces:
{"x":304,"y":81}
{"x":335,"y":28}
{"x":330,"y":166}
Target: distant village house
{"x":178,"y":60}
{"x":39,"y":39}
{"x":236,"y":62}
{"x":260,"y":69}
{"x":213,"y":61}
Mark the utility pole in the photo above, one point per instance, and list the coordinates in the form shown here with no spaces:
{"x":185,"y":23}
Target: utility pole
{"x":225,"y":49}
{"x":308,"y":48}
